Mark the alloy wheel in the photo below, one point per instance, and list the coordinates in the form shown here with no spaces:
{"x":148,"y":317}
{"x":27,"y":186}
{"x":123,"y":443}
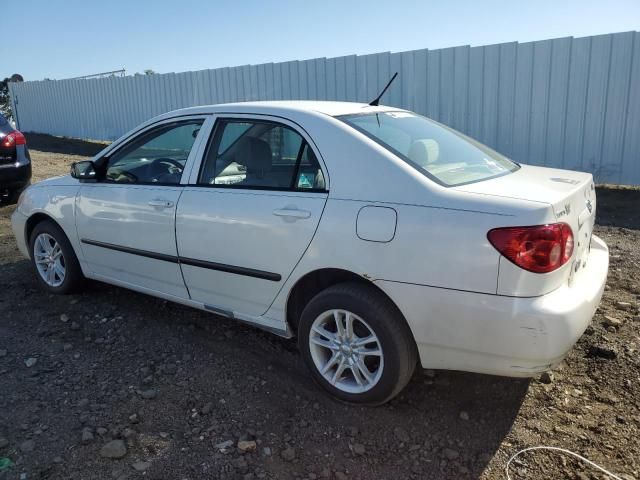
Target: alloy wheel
{"x":49,"y":260}
{"x":346,"y":351}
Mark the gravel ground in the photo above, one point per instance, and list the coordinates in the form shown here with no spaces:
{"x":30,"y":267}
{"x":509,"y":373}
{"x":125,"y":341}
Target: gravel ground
{"x":111,"y":384}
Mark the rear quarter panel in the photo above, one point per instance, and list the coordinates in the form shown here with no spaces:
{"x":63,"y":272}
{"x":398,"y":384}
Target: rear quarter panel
{"x":433,"y":246}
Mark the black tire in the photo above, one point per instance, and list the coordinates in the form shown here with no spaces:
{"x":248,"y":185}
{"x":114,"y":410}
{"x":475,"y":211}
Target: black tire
{"x":73,"y":278}
{"x":388,"y":324}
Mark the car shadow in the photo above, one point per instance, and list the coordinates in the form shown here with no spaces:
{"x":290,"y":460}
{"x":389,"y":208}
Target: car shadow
{"x":442,"y":425}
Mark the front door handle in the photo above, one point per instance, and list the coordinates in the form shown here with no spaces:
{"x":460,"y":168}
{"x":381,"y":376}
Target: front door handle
{"x":159,"y":202}
{"x":291,"y":213}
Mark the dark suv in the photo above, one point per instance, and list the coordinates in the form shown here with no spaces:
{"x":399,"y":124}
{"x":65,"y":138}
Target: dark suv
{"x":15,"y":162}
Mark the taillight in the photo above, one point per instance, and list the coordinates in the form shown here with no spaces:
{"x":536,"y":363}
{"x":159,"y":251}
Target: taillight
{"x":13,"y":139}
{"x":539,"y":249}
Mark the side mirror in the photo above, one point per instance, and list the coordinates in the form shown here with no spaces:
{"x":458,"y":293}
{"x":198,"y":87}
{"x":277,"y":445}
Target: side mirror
{"x":84,"y":171}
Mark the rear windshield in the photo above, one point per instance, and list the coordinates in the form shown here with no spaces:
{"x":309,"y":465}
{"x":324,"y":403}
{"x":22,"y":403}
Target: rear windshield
{"x":444,"y":155}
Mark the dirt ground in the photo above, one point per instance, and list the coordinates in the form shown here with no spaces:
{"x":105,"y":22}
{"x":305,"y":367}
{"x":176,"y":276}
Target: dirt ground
{"x":177,"y":389}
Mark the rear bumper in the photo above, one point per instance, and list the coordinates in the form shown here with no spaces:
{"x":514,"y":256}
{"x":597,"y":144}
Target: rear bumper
{"x":14,"y":178}
{"x":510,"y":336}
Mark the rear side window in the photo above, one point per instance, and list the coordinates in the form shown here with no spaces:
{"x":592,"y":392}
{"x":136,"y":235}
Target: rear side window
{"x":261,"y":155}
{"x":444,"y":155}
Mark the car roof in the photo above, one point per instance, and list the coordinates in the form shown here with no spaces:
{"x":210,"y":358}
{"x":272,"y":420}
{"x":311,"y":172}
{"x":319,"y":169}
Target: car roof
{"x":283,"y":106}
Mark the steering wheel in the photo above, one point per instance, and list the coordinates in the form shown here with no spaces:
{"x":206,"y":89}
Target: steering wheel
{"x":163,"y":167}
{"x":174,"y":165}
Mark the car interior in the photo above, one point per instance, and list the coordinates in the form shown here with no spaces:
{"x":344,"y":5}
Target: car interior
{"x":262,"y":154}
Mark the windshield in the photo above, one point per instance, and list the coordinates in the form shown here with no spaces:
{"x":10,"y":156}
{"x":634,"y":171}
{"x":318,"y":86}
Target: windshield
{"x":444,"y":155}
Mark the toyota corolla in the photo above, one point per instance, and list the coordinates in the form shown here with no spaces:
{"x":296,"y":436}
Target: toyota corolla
{"x":379,"y":238}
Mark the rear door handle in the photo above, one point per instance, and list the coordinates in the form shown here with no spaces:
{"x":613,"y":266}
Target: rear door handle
{"x":291,"y":213}
{"x":159,"y":202}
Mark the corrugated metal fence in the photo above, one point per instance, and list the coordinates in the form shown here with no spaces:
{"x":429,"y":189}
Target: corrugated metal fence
{"x":572,"y":103}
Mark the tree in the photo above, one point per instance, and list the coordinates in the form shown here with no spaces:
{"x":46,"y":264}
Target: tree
{"x":148,"y":71}
{"x":5,"y":99}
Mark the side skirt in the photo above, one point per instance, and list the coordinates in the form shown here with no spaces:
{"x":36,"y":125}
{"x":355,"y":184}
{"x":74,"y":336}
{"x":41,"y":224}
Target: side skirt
{"x":264,"y":323}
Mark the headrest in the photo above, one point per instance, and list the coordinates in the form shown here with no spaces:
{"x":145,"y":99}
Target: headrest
{"x":424,"y":152}
{"x":255,"y":154}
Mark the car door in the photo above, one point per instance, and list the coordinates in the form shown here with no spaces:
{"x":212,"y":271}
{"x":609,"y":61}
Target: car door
{"x":126,"y":220}
{"x":250,"y":213}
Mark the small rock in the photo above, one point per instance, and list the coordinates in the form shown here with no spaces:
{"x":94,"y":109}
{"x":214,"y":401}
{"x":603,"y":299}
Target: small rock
{"x":464,"y":415}
{"x":3,"y":442}
{"x":149,"y":394}
{"x":547,"y":377}
{"x":224,"y":445}
{"x":66,"y":347}
{"x":358,"y":449}
{"x":114,"y":449}
{"x":603,"y":351}
{"x":64,"y":318}
{"x":134,"y":418}
{"x":75,"y":326}
{"x":450,"y":454}
{"x":57,"y":460}
{"x":340,"y":476}
{"x":141,"y":466}
{"x":101,"y":431}
{"x":207,"y":408}
{"x":288,"y":454}
{"x":27,"y":446}
{"x":266,"y":451}
{"x":612,"y":321}
{"x":3,"y":353}
{"x":247,"y":445}
{"x":623,"y":305}
{"x":87,"y":436}
{"x":30,"y":362}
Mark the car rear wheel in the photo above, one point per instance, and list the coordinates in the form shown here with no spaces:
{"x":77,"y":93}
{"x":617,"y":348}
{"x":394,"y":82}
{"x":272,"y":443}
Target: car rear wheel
{"x":54,"y":261}
{"x":357,"y":344}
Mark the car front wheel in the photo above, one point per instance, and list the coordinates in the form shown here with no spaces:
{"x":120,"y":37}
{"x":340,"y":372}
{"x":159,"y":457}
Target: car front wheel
{"x":55,"y":262}
{"x":357,"y":344}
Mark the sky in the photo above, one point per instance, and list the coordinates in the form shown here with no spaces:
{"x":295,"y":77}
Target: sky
{"x":69,"y":38}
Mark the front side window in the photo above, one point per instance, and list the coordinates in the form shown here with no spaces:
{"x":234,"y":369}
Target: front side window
{"x":444,"y":155}
{"x":158,"y":156}
{"x":260,"y":154}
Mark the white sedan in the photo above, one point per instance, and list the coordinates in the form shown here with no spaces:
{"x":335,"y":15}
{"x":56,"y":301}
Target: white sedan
{"x":378,"y":237}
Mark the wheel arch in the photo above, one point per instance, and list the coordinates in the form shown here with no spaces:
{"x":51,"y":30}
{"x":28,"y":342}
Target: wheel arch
{"x":315,"y":281}
{"x":34,"y":220}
